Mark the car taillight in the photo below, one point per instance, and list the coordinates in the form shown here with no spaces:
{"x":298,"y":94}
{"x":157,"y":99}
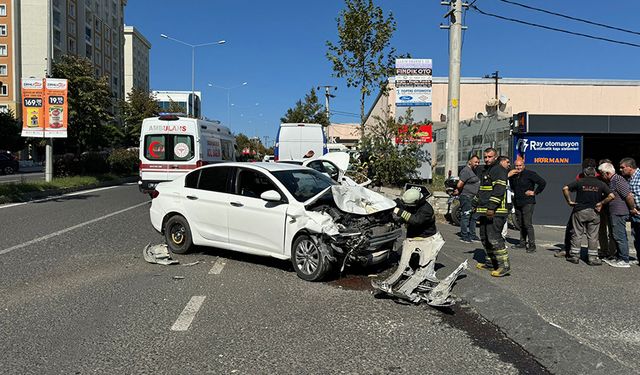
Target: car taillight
{"x":154,"y":194}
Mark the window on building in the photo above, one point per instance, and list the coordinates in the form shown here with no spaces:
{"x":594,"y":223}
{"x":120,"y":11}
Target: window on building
{"x":3,"y":50}
{"x":3,"y":69}
{"x":71,"y":27}
{"x":87,"y":33}
{"x":98,"y":28}
{"x":114,"y":8}
{"x":57,"y":37}
{"x":4,"y":90}
{"x":89,"y":51}
{"x":56,"y":18}
{"x":98,"y":58}
{"x":72,"y":9}
{"x":56,"y":4}
{"x":72,"y":45}
{"x":97,"y":42}
{"x":3,"y":30}
{"x":3,"y":10}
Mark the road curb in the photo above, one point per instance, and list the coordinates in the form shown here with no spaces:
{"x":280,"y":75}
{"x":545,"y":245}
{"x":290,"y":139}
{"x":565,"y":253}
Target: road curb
{"x":26,"y":197}
{"x":550,"y":345}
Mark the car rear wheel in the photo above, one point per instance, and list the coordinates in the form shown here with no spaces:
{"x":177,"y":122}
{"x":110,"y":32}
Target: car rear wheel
{"x":178,"y":234}
{"x":9,"y":170}
{"x":307,"y":259}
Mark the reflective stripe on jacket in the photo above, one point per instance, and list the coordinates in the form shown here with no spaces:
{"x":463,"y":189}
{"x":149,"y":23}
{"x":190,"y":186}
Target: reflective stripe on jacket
{"x":493,"y":189}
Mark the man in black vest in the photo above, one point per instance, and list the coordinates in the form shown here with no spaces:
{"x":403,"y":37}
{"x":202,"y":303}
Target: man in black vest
{"x":525,"y":185}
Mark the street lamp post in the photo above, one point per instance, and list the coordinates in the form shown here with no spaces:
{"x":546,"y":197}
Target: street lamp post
{"x":193,"y":64}
{"x":228,"y":98}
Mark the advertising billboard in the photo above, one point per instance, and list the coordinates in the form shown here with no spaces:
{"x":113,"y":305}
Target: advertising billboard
{"x":413,"y":82}
{"x":44,"y":108}
{"x":33,"y":121}
{"x":549,"y":149}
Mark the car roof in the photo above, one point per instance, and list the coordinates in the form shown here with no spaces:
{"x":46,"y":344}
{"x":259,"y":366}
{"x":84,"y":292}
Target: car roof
{"x":271,"y":167}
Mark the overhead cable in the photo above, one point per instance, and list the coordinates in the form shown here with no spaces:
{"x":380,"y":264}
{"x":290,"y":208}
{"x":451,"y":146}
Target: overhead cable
{"x":571,"y":17}
{"x":555,"y":29}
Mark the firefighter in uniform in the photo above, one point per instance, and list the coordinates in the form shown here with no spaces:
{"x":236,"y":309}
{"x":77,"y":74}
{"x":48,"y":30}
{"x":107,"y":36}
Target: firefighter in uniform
{"x":492,"y":214}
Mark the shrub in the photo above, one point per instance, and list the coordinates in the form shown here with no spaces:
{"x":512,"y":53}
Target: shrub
{"x":66,"y":165}
{"x":123,"y":162}
{"x":94,"y":162}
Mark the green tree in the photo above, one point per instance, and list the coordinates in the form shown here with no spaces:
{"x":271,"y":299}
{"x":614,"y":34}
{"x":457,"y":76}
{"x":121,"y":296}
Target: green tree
{"x":386,"y":161}
{"x":139,"y":105}
{"x":309,"y":111}
{"x":10,"y":132}
{"x":90,"y":104}
{"x":362,"y":54}
{"x":175,"y":107}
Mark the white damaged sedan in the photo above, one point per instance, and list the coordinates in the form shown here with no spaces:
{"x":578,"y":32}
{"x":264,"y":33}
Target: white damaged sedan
{"x":279,"y":210}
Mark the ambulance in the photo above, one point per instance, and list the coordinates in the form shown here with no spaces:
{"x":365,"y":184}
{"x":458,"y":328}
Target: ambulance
{"x":172,"y":146}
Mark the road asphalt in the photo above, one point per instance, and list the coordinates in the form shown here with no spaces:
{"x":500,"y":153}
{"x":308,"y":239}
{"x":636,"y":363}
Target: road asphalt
{"x":78,"y":298}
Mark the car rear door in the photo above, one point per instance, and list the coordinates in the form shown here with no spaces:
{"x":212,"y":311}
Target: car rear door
{"x":254,"y":223}
{"x":206,"y":200}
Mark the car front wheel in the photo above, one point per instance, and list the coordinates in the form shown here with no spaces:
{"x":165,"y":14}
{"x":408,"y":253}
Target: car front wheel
{"x":307,"y":259}
{"x":9,"y":170}
{"x":178,"y":234}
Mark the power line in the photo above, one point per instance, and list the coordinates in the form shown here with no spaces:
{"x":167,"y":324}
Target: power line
{"x":555,"y":29}
{"x":571,"y":17}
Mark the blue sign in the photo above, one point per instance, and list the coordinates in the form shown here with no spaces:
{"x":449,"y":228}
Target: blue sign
{"x":548,"y":149}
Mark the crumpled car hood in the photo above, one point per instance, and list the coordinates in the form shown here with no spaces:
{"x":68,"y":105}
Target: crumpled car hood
{"x":349,"y":199}
{"x":360,"y":200}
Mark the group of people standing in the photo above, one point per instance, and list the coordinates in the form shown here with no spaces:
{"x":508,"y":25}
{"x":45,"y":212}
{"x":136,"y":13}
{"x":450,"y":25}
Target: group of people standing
{"x":604,"y":202}
{"x":487,"y":195}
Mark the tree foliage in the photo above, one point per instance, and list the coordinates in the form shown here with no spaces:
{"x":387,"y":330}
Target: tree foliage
{"x":10,"y":132}
{"x":89,"y":100}
{"x":362,"y":54}
{"x":253,"y":145}
{"x":309,"y":111}
{"x":386,"y":161}
{"x":139,"y":105}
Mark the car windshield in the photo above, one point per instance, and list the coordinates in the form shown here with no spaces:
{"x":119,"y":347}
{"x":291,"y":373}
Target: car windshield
{"x":303,"y":184}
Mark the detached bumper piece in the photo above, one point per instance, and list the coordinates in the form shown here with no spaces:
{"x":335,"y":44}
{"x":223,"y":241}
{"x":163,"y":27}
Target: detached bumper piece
{"x":418,"y":283}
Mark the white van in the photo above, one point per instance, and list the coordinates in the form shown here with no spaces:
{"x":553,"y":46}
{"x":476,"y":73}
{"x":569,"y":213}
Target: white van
{"x":171,"y":146}
{"x":294,"y":141}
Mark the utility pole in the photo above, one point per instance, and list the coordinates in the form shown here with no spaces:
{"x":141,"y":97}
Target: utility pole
{"x":496,"y":76}
{"x":48,"y":163}
{"x":327,"y":95}
{"x":453,"y":104}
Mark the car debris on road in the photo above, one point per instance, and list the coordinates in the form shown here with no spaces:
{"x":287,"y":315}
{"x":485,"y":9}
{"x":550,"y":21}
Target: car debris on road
{"x":158,"y":254}
{"x":418,"y":282}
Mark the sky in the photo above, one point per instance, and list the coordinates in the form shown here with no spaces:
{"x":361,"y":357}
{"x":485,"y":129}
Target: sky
{"x":279,"y":48}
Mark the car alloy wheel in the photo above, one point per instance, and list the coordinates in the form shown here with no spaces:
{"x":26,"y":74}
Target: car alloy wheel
{"x":308,"y":260}
{"x":8,"y":170}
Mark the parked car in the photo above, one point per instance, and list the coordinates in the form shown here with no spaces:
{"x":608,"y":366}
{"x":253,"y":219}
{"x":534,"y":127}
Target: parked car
{"x":279,"y":210}
{"x":336,"y":166}
{"x":8,"y":163}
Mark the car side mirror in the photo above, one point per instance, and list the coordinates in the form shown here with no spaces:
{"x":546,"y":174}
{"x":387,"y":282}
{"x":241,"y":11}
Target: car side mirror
{"x":271,"y":196}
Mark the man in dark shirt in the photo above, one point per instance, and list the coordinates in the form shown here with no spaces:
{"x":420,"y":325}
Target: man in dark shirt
{"x":525,"y":185}
{"x":591,"y":195}
{"x":618,"y":213}
{"x":467,"y":188}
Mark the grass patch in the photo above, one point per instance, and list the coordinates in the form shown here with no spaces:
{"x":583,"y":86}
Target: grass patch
{"x":16,"y":192}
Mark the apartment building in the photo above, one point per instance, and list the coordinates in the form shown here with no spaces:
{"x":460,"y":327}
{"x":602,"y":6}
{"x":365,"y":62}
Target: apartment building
{"x":34,"y":31}
{"x":136,"y":60}
{"x":9,"y":51}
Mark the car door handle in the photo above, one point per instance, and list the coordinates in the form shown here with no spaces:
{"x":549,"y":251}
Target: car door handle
{"x":236,"y":204}
{"x":192,"y":197}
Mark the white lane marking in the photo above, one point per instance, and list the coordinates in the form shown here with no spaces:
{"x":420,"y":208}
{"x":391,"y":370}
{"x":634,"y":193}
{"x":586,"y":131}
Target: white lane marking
{"x":54,"y":234}
{"x":186,"y":316}
{"x":555,"y":226}
{"x":217,"y":267}
{"x":58,"y":196}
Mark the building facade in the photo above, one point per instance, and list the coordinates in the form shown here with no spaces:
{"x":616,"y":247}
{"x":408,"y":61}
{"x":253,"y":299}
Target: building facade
{"x":481,"y":97}
{"x":136,"y":60}
{"x":9,"y":53}
{"x":165,"y":100}
{"x":44,"y":30}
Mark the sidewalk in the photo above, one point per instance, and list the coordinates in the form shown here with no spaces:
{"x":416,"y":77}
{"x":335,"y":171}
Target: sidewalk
{"x":574,"y":319}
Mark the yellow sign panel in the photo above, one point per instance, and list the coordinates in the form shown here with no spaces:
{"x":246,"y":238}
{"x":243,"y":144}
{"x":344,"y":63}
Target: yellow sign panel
{"x":44,"y":108}
{"x":454,"y":103}
{"x":32,"y":108}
